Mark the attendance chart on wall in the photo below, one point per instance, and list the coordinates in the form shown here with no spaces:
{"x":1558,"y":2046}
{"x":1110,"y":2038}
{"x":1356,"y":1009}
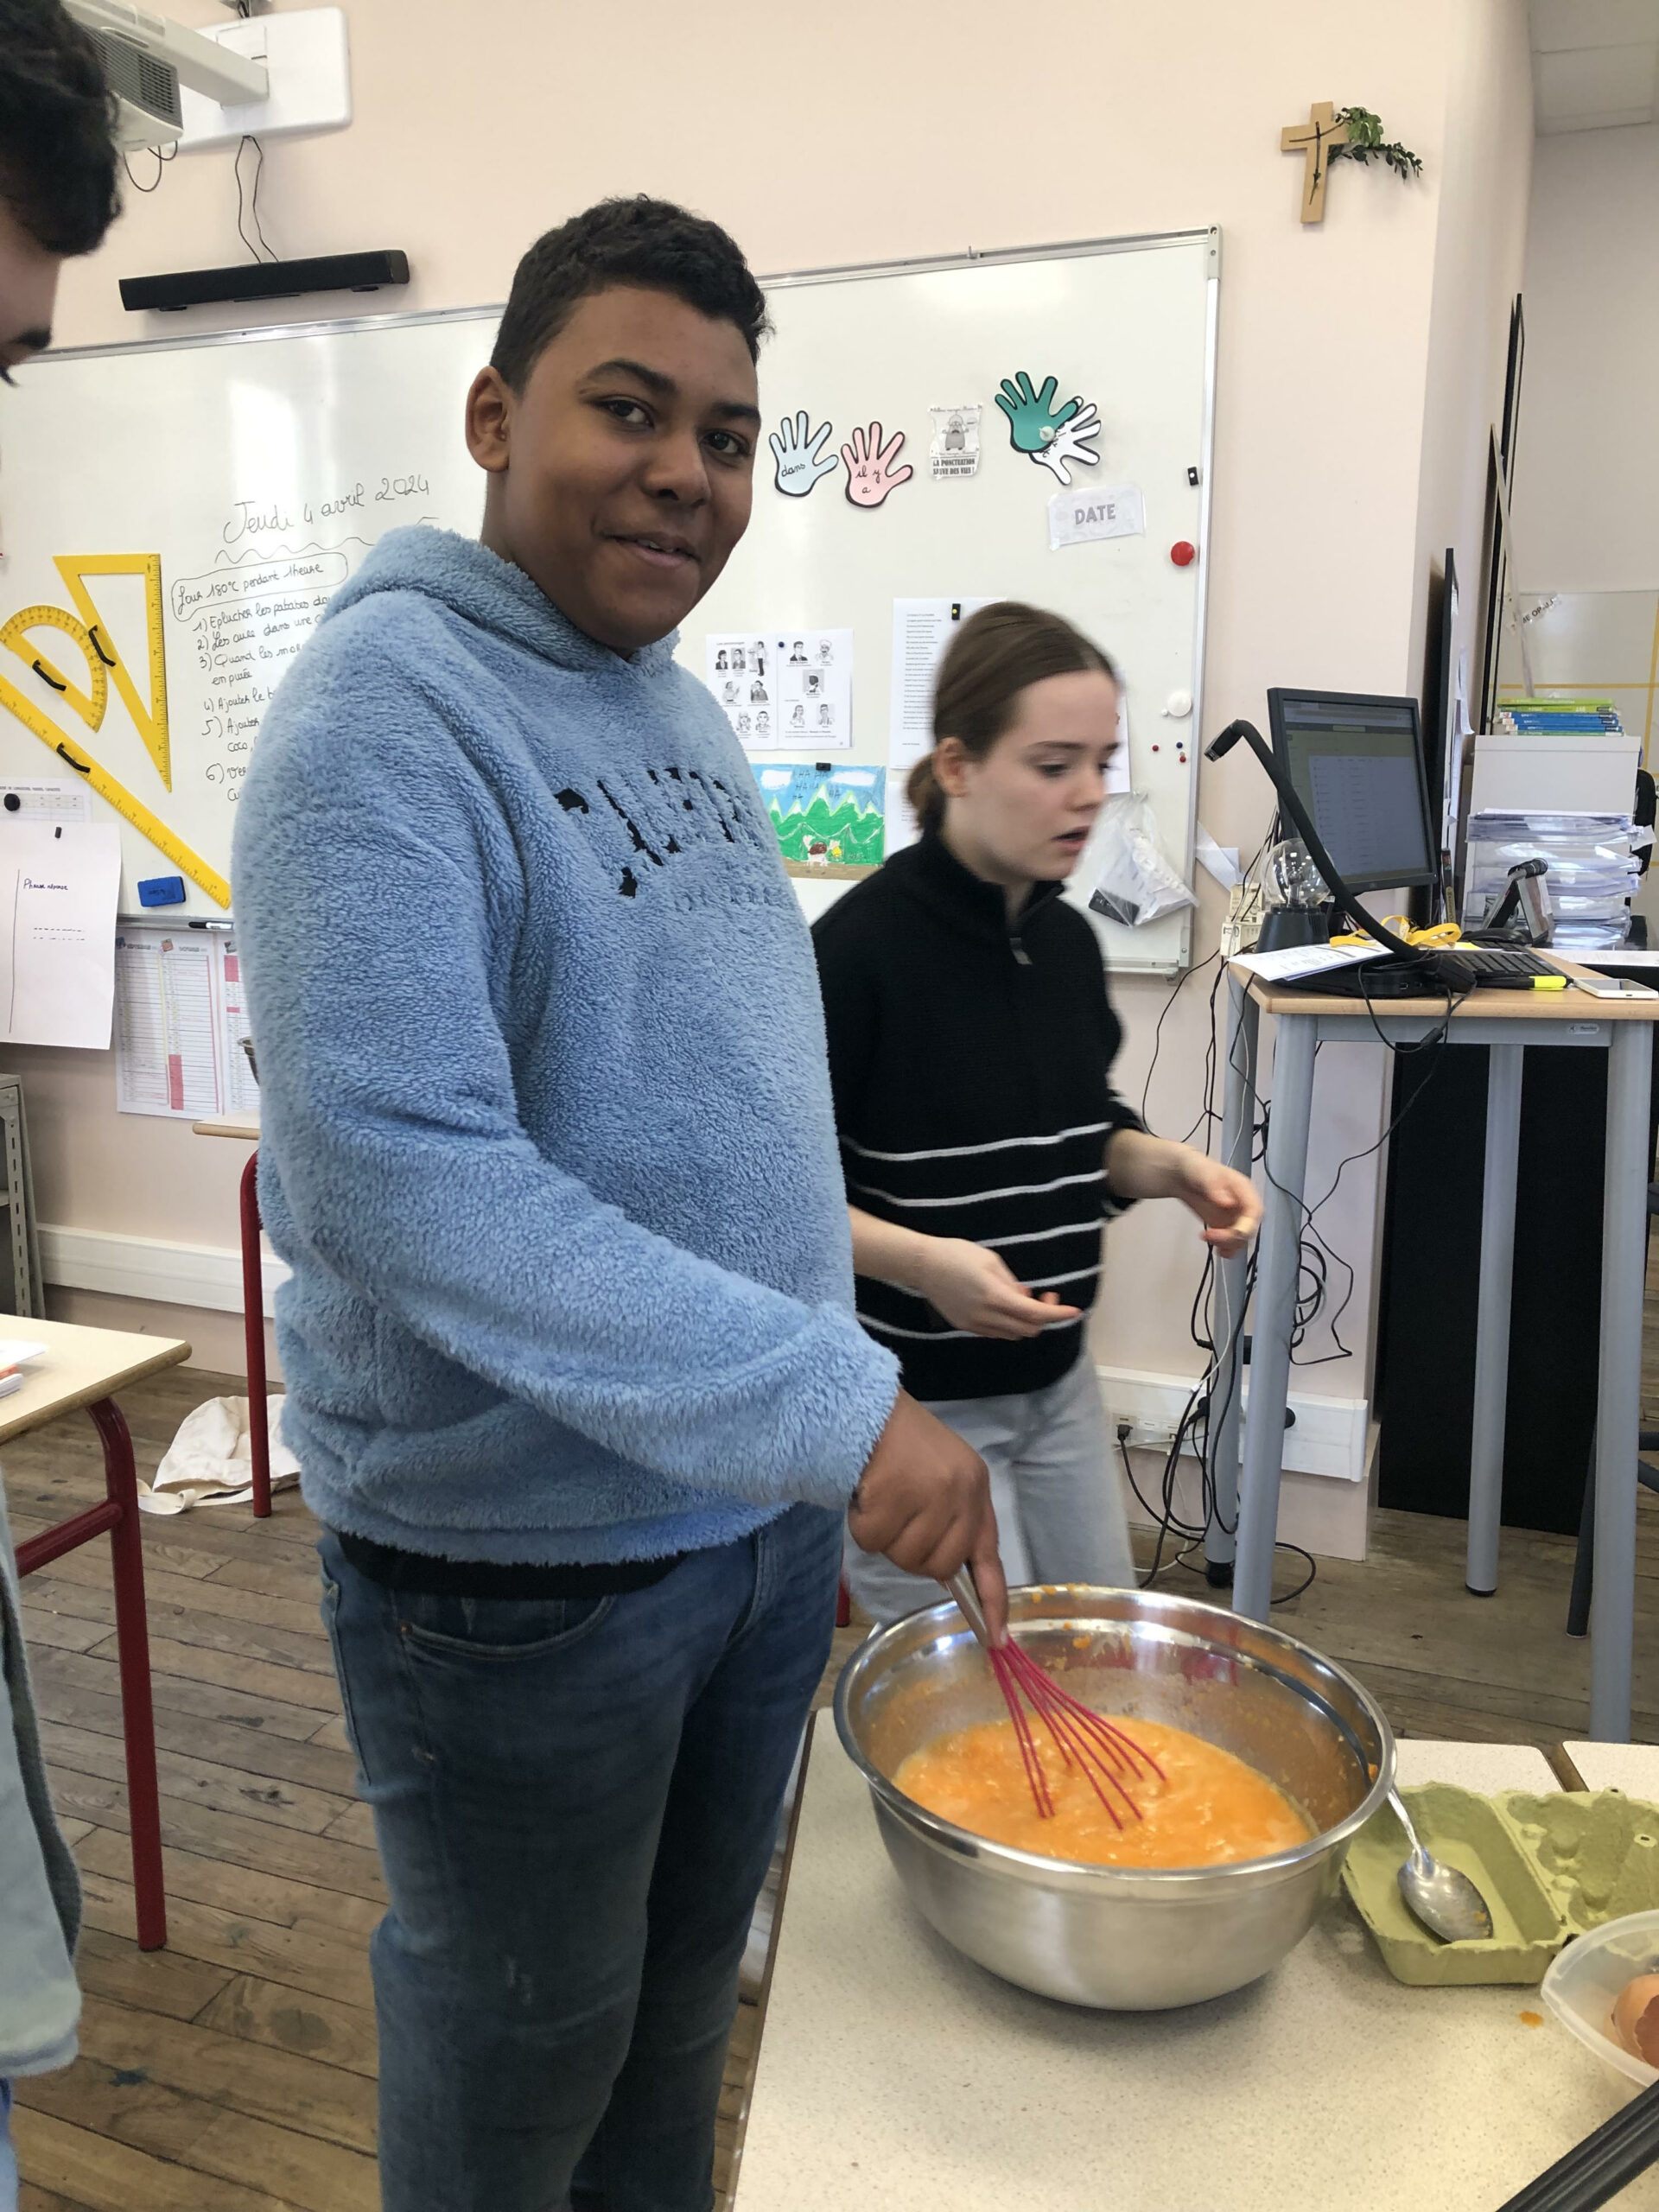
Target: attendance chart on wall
{"x":181,"y":1021}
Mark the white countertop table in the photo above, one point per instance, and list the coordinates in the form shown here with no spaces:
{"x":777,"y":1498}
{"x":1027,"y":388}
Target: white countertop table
{"x":1633,"y":1768}
{"x":894,"y":2073}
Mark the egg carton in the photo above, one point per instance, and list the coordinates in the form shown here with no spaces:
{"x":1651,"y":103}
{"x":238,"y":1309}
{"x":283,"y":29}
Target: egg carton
{"x":1550,"y":1868}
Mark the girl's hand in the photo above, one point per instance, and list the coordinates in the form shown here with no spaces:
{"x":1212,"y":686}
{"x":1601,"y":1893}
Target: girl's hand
{"x":1223,"y":1200}
{"x":975,"y":1290}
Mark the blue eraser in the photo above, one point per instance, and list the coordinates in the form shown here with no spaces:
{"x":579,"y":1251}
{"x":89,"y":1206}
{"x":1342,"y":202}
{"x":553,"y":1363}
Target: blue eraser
{"x":162,"y":891}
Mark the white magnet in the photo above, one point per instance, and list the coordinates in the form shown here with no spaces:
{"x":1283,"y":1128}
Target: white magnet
{"x":1179,"y":705}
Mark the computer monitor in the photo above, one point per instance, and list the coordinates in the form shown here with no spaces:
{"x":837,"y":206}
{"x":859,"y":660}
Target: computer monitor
{"x":1357,"y":764}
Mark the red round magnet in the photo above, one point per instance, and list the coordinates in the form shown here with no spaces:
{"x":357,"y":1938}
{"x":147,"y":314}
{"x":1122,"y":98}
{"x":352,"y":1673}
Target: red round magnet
{"x":1183,"y":553}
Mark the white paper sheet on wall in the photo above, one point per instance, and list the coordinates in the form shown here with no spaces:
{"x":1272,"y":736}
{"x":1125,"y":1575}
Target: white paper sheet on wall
{"x":1082,"y":515}
{"x":784,"y":689}
{"x":1120,"y":774}
{"x":241,"y":1091}
{"x":46,"y":798}
{"x":180,"y":1019}
{"x":922,"y":630}
{"x":59,"y":884}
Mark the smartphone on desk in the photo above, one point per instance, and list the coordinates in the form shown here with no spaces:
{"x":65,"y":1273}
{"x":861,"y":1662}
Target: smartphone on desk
{"x":1610,"y":986}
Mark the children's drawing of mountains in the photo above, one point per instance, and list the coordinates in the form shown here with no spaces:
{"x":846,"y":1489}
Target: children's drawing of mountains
{"x":821,"y":821}
{"x":856,"y":830}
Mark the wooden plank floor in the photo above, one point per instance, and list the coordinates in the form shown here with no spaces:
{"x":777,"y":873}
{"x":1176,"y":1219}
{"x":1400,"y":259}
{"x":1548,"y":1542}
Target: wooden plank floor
{"x":234,"y":2072}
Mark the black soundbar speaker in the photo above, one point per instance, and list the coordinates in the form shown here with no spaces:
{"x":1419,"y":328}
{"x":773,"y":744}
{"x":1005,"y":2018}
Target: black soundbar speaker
{"x":266,"y":280}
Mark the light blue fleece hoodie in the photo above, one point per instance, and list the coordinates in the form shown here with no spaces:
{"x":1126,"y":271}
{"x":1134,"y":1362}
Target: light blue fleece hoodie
{"x":547,"y":1133}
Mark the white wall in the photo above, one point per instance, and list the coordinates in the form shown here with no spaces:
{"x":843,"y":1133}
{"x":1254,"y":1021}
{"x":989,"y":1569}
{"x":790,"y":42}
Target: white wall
{"x":1586,"y":493}
{"x":888,"y":131}
{"x":1478,"y":272}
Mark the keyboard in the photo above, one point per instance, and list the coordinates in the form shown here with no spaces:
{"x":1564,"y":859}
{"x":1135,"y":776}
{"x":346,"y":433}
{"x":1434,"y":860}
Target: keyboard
{"x":1436,"y":970}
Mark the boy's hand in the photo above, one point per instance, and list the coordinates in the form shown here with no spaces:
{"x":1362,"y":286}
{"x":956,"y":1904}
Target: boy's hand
{"x":925,"y":1499}
{"x":977,"y":1290}
{"x":1223,"y":1200}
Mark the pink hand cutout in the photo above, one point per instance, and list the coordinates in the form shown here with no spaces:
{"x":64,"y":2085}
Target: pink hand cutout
{"x":870,"y":472}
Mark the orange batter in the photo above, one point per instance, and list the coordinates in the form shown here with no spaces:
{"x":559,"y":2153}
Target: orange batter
{"x":1211,"y":1807}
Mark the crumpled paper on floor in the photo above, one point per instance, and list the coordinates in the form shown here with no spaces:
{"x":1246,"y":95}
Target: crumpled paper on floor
{"x":209,"y":1462}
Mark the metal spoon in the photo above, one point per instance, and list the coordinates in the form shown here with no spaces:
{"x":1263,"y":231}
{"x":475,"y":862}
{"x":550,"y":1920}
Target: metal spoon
{"x":1447,"y":1903}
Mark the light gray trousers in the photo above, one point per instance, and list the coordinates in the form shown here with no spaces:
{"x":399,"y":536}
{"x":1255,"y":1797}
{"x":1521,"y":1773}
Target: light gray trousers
{"x":1057,"y":1494}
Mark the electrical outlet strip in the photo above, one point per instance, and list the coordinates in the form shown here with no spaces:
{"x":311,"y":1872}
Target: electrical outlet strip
{"x":1244,"y":923}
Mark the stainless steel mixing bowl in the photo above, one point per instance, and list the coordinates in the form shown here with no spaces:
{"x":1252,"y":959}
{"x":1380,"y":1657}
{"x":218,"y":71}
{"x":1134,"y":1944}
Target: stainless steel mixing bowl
{"x":1131,"y":1940}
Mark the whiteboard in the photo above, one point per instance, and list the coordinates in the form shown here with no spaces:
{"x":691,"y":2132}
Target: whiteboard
{"x":258,"y":467}
{"x":1128,"y":325}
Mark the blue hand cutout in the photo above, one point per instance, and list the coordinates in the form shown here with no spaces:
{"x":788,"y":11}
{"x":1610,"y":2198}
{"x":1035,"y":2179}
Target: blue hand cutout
{"x":799,"y":454}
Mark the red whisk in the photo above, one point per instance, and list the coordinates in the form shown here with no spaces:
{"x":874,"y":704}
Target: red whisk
{"x":1102,"y":1753}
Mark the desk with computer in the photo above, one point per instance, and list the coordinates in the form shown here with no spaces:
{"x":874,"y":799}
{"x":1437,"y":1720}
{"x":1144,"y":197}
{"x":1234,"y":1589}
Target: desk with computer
{"x":1350,"y":776}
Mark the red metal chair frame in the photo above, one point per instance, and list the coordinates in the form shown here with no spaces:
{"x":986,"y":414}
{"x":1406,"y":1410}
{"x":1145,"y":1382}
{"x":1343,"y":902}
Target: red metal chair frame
{"x":119,"y":1515}
{"x":253,"y":1326}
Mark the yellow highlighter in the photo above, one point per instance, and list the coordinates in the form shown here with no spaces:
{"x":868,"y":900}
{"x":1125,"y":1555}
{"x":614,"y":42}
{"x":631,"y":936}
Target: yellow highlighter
{"x":1549,"y":982}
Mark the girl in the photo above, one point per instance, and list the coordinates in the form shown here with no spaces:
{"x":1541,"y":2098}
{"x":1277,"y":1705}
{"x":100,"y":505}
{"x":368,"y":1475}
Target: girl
{"x":970,"y":1040}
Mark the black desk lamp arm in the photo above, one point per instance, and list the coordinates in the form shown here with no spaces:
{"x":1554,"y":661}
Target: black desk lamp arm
{"x":1345,"y":900}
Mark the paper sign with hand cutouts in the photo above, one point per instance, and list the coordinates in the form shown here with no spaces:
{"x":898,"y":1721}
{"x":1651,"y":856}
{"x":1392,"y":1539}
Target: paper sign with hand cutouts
{"x":798,"y":451}
{"x":1048,"y":435}
{"x":871,"y":472}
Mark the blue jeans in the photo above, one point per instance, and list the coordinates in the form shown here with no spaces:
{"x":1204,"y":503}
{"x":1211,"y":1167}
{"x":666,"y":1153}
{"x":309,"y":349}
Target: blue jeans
{"x":575,"y":1801}
{"x":8,"y":2156}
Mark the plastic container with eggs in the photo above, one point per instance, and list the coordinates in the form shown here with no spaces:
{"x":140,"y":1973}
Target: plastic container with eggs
{"x":1604,"y":1990}
{"x":1552,"y":1870}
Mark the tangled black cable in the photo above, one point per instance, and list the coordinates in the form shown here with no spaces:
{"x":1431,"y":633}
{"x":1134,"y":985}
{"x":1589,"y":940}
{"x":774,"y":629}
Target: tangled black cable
{"x":1316,"y":1257}
{"x":1312,"y":1241}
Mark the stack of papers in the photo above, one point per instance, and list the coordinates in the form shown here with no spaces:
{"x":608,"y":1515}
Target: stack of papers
{"x":1591,"y":871}
{"x":14,"y":1351}
{"x":1294,"y":960}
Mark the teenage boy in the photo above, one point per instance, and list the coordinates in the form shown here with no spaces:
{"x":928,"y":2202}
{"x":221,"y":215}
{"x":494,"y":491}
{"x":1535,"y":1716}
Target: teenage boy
{"x":57,"y":165}
{"x":57,"y":198}
{"x":572,"y":1373}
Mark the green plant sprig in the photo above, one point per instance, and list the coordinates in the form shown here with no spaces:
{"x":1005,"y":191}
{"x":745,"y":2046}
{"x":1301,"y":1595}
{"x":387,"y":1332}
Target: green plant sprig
{"x":1365,"y":143}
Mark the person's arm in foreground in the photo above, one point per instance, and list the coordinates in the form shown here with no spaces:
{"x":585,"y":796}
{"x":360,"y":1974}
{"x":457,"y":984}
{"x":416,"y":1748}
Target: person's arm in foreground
{"x":973,"y":1287}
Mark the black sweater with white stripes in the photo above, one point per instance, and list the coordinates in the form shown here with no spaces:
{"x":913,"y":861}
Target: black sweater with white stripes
{"x":969,"y":1066}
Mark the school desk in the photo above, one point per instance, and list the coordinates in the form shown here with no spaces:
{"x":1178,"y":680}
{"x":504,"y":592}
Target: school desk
{"x":85,"y":1367}
{"x":1509,"y":1023}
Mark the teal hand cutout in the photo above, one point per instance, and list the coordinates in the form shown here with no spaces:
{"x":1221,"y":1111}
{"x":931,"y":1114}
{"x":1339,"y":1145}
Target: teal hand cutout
{"x":1033,"y":417}
{"x":799,"y":454}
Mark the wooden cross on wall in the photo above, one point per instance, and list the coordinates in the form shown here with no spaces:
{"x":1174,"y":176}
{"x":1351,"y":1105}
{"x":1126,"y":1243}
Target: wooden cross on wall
{"x":1314,"y":140}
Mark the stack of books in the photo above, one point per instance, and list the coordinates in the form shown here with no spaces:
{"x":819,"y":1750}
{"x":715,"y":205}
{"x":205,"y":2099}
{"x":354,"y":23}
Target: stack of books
{"x":1557,"y":717}
{"x":1591,"y":873}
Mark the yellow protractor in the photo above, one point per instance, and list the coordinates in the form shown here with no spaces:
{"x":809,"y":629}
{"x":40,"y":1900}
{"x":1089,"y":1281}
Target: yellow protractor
{"x":117,"y":796}
{"x":149,"y":720}
{"x":15,"y":634}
